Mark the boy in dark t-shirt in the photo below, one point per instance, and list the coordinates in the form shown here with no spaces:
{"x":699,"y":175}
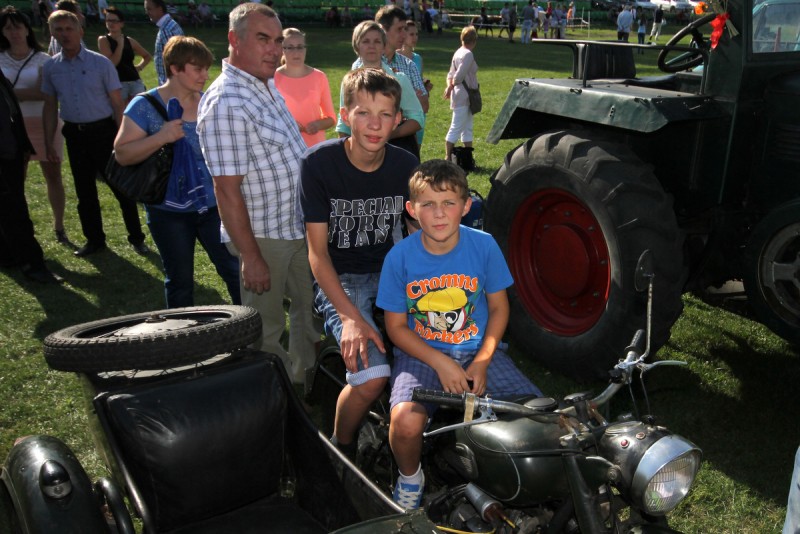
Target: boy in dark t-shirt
{"x":352,"y":195}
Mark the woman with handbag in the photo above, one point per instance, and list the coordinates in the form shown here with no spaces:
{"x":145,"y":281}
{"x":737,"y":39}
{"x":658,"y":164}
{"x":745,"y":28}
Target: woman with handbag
{"x":462,"y":77}
{"x":189,"y":211}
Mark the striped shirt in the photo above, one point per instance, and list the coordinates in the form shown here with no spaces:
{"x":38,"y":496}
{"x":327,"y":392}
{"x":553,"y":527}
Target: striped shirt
{"x":166,"y":28}
{"x":246,"y":130}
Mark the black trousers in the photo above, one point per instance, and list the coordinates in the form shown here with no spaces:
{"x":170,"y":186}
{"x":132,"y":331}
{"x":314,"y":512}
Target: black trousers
{"x":89,"y":147}
{"x":17,"y":242}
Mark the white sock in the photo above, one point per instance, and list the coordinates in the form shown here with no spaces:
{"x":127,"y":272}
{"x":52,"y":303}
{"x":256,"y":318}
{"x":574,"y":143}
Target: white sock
{"x":416,"y":478}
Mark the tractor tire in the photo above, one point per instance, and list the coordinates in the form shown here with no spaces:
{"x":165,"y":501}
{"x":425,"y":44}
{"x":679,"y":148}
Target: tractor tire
{"x":772,"y":271}
{"x":152,"y":340}
{"x":572,"y":216}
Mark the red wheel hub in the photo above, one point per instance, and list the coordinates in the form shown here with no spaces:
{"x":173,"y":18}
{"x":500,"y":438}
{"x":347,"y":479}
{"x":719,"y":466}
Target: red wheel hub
{"x":559,"y":258}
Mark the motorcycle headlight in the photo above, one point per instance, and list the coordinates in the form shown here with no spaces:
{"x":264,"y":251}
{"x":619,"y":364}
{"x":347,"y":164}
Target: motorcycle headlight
{"x":664,"y":474}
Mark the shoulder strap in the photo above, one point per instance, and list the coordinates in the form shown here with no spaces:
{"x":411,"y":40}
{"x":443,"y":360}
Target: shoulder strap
{"x":156,"y":104}
{"x":19,"y":72}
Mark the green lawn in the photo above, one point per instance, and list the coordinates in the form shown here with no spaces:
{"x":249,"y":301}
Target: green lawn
{"x":734,"y":399}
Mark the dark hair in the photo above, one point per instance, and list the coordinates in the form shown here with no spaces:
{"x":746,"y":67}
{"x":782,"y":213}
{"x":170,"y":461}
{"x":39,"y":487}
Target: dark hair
{"x":160,"y":4}
{"x":68,"y":5}
{"x":387,"y":14}
{"x":17,"y":18}
{"x":439,"y":175}
{"x":114,"y":11}
{"x":372,"y":81}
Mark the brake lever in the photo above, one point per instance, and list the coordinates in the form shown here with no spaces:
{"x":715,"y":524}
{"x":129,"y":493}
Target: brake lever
{"x":644,"y":367}
{"x":487,"y":416}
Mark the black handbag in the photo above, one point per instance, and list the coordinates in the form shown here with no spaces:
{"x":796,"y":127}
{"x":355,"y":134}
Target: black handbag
{"x":475,"y":100}
{"x":146,"y":181}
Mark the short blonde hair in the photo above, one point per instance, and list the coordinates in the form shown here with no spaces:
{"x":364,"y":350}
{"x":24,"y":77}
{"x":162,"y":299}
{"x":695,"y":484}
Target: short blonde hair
{"x":61,"y":14}
{"x":469,"y":35}
{"x":361,"y":30}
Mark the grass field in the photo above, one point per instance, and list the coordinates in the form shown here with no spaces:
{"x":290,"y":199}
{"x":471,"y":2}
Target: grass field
{"x":735,"y":398}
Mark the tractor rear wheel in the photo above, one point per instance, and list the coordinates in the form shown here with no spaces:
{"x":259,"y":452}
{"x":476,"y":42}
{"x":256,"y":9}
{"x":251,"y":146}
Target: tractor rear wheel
{"x":572,"y":216}
{"x":772,"y":272}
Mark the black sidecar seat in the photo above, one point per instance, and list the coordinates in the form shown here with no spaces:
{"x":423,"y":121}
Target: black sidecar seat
{"x":204,"y":452}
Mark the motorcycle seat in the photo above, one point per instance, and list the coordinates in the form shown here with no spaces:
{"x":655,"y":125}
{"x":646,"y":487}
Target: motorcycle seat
{"x":205,"y":453}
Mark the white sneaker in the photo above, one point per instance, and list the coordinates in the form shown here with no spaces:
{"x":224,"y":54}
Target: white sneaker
{"x":409,"y":496}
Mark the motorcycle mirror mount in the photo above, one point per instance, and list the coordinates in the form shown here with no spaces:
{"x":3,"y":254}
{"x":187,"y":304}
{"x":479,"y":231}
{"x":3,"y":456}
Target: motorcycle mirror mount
{"x":643,"y":279}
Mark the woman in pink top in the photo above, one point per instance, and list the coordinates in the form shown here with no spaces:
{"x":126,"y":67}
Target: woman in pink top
{"x":305,"y":89}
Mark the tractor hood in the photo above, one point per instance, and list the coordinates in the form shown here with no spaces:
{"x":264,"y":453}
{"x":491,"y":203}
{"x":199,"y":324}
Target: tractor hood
{"x":637,"y":105}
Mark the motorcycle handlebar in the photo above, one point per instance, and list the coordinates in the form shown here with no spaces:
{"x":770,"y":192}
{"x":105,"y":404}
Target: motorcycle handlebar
{"x":459,"y":400}
{"x":441,"y":398}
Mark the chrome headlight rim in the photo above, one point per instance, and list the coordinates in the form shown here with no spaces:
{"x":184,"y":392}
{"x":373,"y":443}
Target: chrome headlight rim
{"x":659,"y":455}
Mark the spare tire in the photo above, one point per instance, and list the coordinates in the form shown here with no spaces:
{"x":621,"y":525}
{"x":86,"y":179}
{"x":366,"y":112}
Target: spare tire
{"x":152,"y":340}
{"x":572,"y":216}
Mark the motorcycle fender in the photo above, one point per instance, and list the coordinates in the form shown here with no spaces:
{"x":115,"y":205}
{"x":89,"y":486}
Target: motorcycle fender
{"x":44,"y":504}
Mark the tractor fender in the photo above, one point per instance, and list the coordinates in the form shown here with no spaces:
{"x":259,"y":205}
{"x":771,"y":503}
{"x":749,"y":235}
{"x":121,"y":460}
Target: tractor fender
{"x":533,"y":106}
{"x":50,"y":490}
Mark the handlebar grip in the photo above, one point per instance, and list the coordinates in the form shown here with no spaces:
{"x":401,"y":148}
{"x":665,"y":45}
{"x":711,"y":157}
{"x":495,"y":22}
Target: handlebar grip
{"x":438,"y":397}
{"x":637,"y":343}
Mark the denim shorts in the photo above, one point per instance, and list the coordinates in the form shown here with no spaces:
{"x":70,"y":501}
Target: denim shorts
{"x":131,"y":89}
{"x":503,"y":379}
{"x":362,"y":289}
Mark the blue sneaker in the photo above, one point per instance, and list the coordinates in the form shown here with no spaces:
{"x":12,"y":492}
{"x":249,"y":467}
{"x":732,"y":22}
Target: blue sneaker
{"x":409,"y":496}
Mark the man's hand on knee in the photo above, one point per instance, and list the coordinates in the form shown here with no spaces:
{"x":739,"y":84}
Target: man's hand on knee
{"x":356,"y":335}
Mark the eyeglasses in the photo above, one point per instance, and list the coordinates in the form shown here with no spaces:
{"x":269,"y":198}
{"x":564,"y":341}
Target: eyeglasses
{"x":293,"y":48}
{"x":113,"y":21}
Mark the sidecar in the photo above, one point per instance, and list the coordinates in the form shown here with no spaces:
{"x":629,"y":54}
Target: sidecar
{"x":197,"y":443}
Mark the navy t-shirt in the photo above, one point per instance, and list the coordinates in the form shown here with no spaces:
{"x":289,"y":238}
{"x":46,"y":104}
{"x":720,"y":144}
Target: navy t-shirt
{"x":363,"y":210}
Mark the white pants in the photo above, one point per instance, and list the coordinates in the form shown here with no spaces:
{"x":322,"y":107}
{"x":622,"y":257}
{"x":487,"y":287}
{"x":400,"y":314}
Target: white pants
{"x":460,"y":126}
{"x":656,"y":31}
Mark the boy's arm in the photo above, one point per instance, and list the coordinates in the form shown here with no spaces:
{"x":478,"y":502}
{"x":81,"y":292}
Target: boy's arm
{"x":356,"y":332}
{"x":495,"y":328}
{"x":451,"y":375}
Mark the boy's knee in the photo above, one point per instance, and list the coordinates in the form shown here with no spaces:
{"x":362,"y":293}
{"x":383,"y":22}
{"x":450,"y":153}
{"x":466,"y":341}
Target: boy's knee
{"x":408,"y":420}
{"x":372,"y":389}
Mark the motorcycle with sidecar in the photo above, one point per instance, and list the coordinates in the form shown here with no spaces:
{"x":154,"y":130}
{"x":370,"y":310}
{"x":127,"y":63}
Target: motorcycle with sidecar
{"x":199,"y":433}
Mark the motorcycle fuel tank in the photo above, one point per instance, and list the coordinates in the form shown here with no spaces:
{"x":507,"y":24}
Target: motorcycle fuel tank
{"x":516,"y":460}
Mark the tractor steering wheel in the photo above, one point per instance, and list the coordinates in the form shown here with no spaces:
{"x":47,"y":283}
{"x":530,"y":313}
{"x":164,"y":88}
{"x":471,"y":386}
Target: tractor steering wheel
{"x":688,"y":59}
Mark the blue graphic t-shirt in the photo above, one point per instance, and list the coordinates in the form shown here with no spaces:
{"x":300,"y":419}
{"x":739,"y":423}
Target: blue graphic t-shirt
{"x":444,"y":295}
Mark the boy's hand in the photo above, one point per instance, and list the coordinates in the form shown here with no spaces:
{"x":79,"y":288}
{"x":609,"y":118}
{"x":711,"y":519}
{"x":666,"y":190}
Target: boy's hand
{"x":451,"y":375}
{"x":476,"y":372}
{"x":356,"y":335}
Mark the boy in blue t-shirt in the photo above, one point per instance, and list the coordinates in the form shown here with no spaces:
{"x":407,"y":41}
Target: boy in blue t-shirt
{"x":443,"y":290}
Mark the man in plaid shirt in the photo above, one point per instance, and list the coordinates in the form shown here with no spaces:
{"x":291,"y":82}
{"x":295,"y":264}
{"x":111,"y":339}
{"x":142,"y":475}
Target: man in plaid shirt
{"x":167,"y":27}
{"x":253,"y":146}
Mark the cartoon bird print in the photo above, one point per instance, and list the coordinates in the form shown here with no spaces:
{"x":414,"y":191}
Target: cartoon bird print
{"x":446,"y":310}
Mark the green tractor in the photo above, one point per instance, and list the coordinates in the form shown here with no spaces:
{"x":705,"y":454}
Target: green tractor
{"x":700,"y":165}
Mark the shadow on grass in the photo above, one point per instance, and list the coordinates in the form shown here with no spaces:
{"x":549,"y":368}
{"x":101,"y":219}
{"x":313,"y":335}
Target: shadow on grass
{"x":736,"y":400}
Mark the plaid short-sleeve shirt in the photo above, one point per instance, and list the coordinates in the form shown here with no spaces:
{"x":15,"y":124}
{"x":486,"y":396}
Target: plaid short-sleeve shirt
{"x":246,"y":130}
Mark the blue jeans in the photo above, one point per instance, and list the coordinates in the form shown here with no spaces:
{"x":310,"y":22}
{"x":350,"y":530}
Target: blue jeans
{"x":792,"y":524}
{"x":362,"y":289}
{"x":175,"y":234}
